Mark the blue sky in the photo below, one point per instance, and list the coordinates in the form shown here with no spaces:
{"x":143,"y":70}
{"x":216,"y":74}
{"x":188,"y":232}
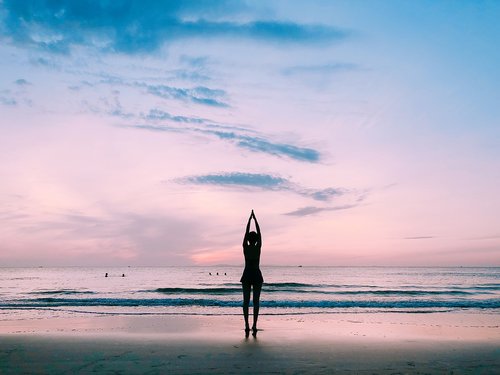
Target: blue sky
{"x":143,"y":133}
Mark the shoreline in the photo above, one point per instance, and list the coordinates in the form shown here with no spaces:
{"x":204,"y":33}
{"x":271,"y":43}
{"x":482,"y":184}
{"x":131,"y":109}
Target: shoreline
{"x":461,"y":343}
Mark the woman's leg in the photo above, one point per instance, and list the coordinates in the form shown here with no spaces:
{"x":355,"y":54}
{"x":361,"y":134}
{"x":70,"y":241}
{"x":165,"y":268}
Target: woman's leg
{"x":256,"y":302}
{"x":246,"y":301}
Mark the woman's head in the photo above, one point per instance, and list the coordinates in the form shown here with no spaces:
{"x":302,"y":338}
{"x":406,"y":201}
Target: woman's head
{"x":252,"y":237}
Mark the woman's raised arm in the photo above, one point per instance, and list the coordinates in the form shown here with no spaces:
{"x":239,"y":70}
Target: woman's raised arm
{"x":248,"y":229}
{"x":257,"y":227}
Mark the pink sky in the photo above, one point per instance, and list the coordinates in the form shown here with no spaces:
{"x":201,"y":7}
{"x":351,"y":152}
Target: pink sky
{"x":356,"y":135}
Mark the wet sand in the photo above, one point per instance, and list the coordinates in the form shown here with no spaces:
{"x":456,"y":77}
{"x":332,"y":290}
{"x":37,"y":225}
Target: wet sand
{"x":442,"y":343}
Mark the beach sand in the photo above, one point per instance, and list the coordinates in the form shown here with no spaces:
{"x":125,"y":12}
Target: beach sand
{"x":437,"y":343}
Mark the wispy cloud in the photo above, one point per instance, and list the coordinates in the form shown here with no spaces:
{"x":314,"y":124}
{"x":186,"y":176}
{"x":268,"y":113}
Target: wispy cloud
{"x":11,"y":98}
{"x":131,"y":26}
{"x":311,"y":210}
{"x":108,"y":105}
{"x":243,"y":137}
{"x":261,"y":181}
{"x":22,"y":82}
{"x":278,"y":149}
{"x":17,"y":95}
{"x":346,"y":199}
{"x":264,"y":181}
{"x":198,"y":94}
{"x":238,"y":137}
{"x":320,"y":69}
{"x":8,"y":101}
{"x":41,"y":61}
{"x":419,"y":238}
{"x":195,"y":61}
{"x":158,"y":114}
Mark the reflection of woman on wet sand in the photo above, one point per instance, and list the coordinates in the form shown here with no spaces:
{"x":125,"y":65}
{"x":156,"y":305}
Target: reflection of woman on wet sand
{"x":252,"y":276}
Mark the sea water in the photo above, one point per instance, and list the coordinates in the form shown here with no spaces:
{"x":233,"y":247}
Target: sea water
{"x":215,"y":290}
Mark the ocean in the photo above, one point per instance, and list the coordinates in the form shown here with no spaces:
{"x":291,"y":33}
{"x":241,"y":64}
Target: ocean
{"x":215,"y":290}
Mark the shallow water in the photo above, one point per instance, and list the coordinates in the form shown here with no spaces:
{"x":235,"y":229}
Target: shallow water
{"x":29,"y":292}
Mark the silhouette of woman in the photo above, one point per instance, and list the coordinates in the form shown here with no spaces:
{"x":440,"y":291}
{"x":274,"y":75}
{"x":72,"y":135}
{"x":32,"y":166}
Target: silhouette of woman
{"x":252,"y":276}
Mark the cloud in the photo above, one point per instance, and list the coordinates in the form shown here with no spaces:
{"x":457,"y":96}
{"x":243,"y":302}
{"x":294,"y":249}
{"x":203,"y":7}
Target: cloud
{"x":132,"y":26}
{"x":260,"y":181}
{"x":236,"y":136}
{"x":264,"y":181}
{"x":239,"y":136}
{"x":199,"y":94}
{"x":14,"y":98}
{"x":9,"y":101}
{"x":195,"y":61}
{"x":325,"y":194}
{"x":277,"y":149}
{"x":158,"y":114}
{"x":311,"y":210}
{"x":110,"y":106}
{"x":320,"y":69}
{"x":419,"y":238}
{"x":21,"y":82}
{"x":41,"y":61}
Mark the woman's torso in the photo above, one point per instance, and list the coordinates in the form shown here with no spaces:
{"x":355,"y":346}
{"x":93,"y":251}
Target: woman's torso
{"x":252,"y":257}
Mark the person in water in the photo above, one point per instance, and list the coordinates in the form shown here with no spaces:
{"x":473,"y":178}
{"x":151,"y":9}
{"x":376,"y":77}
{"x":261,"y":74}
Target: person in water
{"x":252,"y":277}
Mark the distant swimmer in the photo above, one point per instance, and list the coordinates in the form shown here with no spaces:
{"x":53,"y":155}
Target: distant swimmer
{"x":106,"y":275}
{"x":123,"y":275}
{"x":210,"y":273}
{"x":217,"y":273}
{"x":252,"y":243}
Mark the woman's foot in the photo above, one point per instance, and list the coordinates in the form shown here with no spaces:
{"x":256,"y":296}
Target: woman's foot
{"x":247,"y":331}
{"x":254,"y":331}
